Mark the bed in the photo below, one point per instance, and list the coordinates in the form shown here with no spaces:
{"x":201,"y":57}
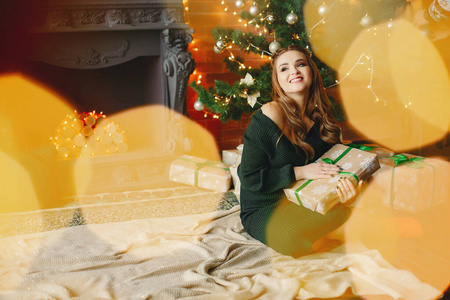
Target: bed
{"x":179,"y":242}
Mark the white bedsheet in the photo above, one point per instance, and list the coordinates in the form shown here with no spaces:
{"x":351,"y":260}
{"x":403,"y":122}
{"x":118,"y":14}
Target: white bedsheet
{"x":195,"y":256}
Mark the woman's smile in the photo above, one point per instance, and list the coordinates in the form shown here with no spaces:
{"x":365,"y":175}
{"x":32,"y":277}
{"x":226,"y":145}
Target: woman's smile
{"x":294,"y":74}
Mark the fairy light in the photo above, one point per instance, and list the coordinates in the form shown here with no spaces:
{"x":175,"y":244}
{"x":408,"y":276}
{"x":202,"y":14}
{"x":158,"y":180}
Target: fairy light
{"x":370,"y":69}
{"x":232,"y":58}
{"x":259,"y":49}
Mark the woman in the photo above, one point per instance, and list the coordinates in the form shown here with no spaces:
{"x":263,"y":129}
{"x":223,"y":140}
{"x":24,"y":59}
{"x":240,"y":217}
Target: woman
{"x":281,"y":143}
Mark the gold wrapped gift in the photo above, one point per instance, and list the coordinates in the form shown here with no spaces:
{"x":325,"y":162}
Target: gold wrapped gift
{"x":232,"y":156}
{"x":208,"y":174}
{"x":409,"y":183}
{"x":320,"y":194}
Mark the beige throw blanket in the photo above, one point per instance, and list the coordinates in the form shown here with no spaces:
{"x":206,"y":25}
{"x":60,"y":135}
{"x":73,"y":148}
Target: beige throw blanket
{"x":194,"y":256}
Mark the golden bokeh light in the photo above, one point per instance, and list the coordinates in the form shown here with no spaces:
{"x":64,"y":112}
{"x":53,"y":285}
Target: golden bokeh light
{"x":29,"y":115}
{"x":330,"y":35}
{"x":35,"y":176}
{"x":395,"y":87}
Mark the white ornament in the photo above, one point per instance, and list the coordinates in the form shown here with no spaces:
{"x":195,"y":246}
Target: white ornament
{"x":117,"y":138}
{"x":217,"y":50}
{"x":254,"y":10}
{"x":79,"y":140}
{"x":270,"y":19}
{"x":107,"y":140}
{"x":252,"y":99}
{"x":274,"y":46}
{"x":366,"y":21}
{"x":291,"y":18}
{"x":248,"y":80}
{"x":110,"y":128}
{"x":239,"y":3}
{"x":111,"y":148}
{"x":198,"y":105}
{"x":221,"y":44}
{"x":323,"y":9}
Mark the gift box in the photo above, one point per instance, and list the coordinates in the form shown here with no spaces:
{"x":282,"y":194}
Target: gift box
{"x":320,"y":194}
{"x":232,"y":156}
{"x":373,"y":148}
{"x":208,"y":174}
{"x":236,"y":181}
{"x":409,"y":183}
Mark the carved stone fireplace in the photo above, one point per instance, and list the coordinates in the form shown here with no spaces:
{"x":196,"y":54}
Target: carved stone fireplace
{"x":119,"y":57}
{"x":111,"y":55}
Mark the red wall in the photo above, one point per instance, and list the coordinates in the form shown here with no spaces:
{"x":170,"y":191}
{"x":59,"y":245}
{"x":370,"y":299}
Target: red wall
{"x":203,"y":16}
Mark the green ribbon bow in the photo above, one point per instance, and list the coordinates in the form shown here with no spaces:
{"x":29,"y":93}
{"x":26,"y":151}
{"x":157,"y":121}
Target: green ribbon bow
{"x":328,"y":161}
{"x":401,"y":159}
{"x":414,"y":163}
{"x":361,"y":147}
{"x":201,"y":165}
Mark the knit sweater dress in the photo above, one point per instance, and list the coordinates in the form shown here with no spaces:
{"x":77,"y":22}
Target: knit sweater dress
{"x":267,"y":167}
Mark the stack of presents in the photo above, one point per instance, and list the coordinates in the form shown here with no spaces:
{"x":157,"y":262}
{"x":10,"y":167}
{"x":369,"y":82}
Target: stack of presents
{"x":403,"y":182}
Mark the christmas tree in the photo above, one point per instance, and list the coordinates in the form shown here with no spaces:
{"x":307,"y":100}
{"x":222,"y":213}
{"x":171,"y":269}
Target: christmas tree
{"x":274,"y":24}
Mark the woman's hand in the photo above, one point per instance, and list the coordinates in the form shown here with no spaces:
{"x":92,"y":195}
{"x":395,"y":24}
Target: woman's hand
{"x":319,"y":170}
{"x":347,"y":191}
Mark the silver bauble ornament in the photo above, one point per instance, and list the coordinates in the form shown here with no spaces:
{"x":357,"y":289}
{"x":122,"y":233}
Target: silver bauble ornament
{"x":274,"y":46}
{"x":221,"y":44}
{"x":254,"y":10}
{"x":198,"y":105}
{"x":217,"y":50}
{"x":366,"y":21}
{"x":239,"y":3}
{"x":270,"y":19}
{"x":291,"y":18}
{"x":323,"y":9}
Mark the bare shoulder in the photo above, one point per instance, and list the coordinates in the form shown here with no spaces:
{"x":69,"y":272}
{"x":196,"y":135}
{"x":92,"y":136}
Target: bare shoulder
{"x":273,"y":112}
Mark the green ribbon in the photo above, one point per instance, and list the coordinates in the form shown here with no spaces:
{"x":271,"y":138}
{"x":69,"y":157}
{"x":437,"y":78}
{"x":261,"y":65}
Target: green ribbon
{"x":401,"y":159}
{"x":328,"y":161}
{"x":414,"y":163}
{"x":200,"y":165}
{"x":361,"y":147}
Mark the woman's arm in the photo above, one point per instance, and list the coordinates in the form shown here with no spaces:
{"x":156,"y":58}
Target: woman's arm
{"x":256,"y":173}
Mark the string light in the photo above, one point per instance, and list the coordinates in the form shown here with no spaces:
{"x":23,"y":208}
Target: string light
{"x":370,"y":69}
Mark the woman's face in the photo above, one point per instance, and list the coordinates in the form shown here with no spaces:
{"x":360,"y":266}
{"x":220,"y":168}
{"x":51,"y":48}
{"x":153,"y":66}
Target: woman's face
{"x":293,"y":73}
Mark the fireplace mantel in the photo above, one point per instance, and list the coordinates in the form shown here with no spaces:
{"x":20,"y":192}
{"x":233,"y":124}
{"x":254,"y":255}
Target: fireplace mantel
{"x":89,"y":35}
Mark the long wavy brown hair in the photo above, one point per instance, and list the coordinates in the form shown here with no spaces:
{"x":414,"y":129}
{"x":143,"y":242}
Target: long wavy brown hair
{"x":317,"y":107}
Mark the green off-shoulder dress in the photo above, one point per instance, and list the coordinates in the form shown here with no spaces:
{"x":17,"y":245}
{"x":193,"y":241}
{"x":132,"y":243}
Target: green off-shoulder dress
{"x":267,"y":167}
